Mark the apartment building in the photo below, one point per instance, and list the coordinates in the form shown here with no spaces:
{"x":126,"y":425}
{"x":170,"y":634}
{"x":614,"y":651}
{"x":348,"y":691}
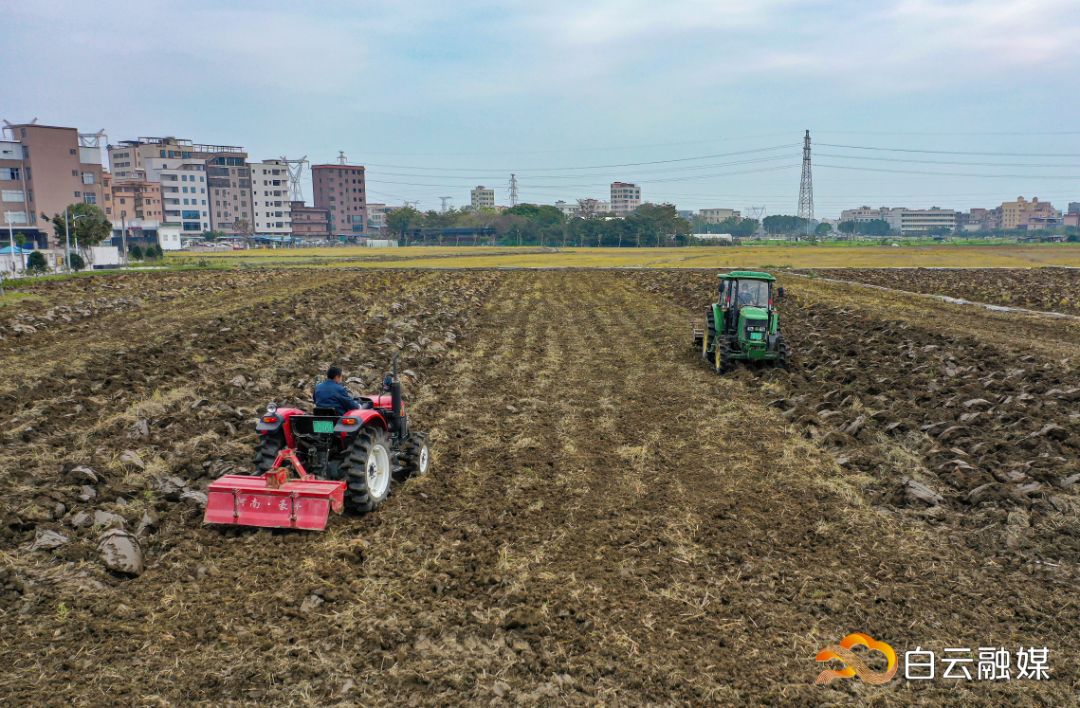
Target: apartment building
{"x":340,"y":189}
{"x":376,"y":217}
{"x":230,"y":194}
{"x":309,"y":222}
{"x":1024,"y":214}
{"x":44,"y":169}
{"x":483,"y":197}
{"x":271,"y":208}
{"x":184,"y":196}
{"x":1074,"y":207}
{"x":625,"y":198}
{"x":142,"y":158}
{"x":136,"y":203}
{"x":716,"y":216}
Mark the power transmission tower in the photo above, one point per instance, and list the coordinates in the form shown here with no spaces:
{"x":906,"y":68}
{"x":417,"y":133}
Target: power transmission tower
{"x":757,"y":213}
{"x":444,"y":201}
{"x":513,"y":190}
{"x":296,"y":171}
{"x":806,"y":188}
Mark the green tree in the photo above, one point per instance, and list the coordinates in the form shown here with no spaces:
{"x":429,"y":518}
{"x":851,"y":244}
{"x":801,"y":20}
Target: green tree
{"x":212,"y":236}
{"x":36,"y":263}
{"x":399,"y":221}
{"x":784,"y":224}
{"x":76,"y":262}
{"x":87,"y":224}
{"x":135,"y":251}
{"x":822,"y":230}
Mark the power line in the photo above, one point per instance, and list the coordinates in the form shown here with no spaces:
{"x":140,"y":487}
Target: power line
{"x":952,"y":152}
{"x":583,"y":167}
{"x":947,"y":174}
{"x":942,"y":162}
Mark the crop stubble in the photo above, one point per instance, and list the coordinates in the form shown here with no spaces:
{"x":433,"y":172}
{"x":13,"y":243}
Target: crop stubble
{"x":607,"y":519}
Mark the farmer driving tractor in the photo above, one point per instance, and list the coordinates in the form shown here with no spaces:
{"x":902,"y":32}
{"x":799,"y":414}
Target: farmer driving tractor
{"x":331,"y":393}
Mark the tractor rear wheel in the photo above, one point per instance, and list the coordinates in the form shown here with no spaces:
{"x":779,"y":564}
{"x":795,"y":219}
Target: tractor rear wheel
{"x":710,"y":334}
{"x":781,"y":348}
{"x":367,"y":470}
{"x":267,"y":451}
{"x":415,"y":457}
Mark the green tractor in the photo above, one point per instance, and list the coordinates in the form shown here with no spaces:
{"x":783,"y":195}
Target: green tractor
{"x":743,"y":325}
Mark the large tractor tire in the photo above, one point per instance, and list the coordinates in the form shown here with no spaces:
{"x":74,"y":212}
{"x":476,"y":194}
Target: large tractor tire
{"x":722,"y":361}
{"x":782,"y":349}
{"x":415,"y":457}
{"x":367,"y":469}
{"x":267,"y":451}
{"x":710,"y":334}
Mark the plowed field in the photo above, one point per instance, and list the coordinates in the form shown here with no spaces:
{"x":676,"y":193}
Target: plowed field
{"x":606,"y":521}
{"x":1047,"y":289}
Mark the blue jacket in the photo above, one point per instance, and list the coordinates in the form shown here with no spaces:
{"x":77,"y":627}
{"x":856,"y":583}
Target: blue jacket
{"x":331,"y":394}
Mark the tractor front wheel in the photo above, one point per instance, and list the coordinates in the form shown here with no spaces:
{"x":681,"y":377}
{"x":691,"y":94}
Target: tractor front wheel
{"x":415,"y":457}
{"x":722,"y":361}
{"x":367,"y":469}
{"x":267,"y":451}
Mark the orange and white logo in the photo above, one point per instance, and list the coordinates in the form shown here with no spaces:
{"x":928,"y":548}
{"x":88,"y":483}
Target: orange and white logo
{"x":854,"y":664}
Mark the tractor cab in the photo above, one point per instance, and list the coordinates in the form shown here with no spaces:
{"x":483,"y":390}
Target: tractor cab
{"x":743,"y":323}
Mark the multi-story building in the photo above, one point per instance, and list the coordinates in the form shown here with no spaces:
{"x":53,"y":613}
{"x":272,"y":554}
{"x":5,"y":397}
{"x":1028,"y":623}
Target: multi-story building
{"x":1022,"y":214}
{"x":568,"y":209}
{"x":340,"y":189}
{"x":229,"y":199}
{"x":625,"y":198}
{"x":271,"y":207}
{"x":184,"y":196}
{"x":483,"y":197}
{"x":308,"y":222}
{"x":1074,"y":208}
{"x":136,"y":203}
{"x":916,"y":221}
{"x":376,"y":217}
{"x":230,"y":194}
{"x":45,"y":169}
{"x":716,"y":216}
{"x":592,"y":207}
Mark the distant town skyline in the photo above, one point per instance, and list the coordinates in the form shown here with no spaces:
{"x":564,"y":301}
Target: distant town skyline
{"x":914,"y":103}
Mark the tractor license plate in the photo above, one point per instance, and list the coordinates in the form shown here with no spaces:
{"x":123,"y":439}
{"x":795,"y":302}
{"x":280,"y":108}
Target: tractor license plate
{"x":322,"y":426}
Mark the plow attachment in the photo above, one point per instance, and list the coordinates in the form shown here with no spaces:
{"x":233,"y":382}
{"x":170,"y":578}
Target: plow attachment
{"x":274,"y":500}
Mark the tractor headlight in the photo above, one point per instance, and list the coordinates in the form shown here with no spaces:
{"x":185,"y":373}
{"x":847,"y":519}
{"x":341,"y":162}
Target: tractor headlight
{"x":271,"y":407}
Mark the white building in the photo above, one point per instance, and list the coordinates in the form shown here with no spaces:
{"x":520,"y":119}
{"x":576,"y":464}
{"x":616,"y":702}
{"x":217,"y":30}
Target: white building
{"x":270,"y":198}
{"x":483,"y":197}
{"x":183,"y":192}
{"x":376,"y":217}
{"x":625,"y":198}
{"x":903,"y":220}
{"x":593,"y":207}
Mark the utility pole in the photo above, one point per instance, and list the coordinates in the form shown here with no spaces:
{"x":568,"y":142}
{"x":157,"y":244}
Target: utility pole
{"x":123,"y":235}
{"x":11,"y":240}
{"x":806,"y":188}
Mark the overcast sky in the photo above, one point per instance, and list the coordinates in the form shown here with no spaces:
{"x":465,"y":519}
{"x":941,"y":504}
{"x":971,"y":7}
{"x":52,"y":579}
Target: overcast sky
{"x":435,"y":97}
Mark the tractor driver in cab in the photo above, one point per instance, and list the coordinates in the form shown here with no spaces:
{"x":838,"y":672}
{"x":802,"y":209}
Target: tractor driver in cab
{"x":332,"y":394}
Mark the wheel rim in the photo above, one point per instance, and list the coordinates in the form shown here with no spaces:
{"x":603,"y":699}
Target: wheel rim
{"x":422,"y":460}
{"x":378,"y":471}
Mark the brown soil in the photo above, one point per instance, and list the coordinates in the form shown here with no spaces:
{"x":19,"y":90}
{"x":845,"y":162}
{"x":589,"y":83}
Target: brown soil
{"x":1049,"y":289}
{"x":607,"y":520}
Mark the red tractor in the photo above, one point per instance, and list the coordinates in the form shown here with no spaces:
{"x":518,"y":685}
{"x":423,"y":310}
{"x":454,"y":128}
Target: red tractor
{"x":340,"y":462}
